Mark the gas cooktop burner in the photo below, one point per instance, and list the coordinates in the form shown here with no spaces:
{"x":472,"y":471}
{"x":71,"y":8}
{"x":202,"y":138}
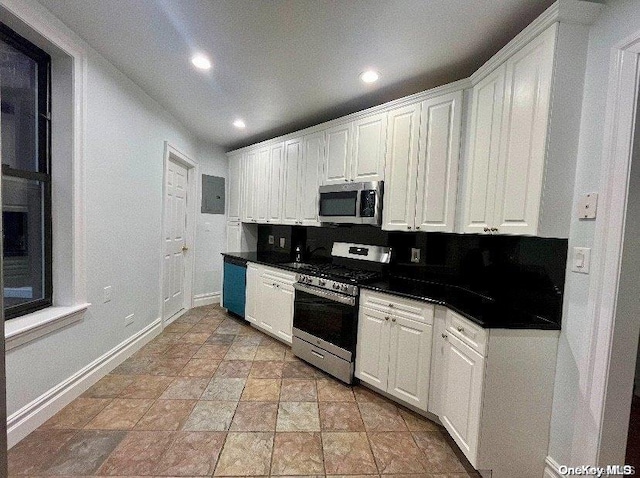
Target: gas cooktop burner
{"x":345,"y":273}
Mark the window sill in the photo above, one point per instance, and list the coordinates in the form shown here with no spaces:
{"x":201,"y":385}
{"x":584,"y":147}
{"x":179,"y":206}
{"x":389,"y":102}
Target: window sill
{"x":26,"y":328}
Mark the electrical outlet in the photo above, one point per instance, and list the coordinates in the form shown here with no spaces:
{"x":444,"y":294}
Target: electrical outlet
{"x":415,"y":254}
{"x":128,"y":320}
{"x":271,"y":239}
{"x":106,"y":297}
{"x":282,"y":242}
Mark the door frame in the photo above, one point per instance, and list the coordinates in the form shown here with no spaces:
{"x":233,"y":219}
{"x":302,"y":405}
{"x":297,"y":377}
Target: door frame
{"x":171,"y":153}
{"x":605,"y":413}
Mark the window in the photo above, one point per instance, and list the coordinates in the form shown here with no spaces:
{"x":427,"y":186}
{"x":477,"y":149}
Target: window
{"x":25,"y":86}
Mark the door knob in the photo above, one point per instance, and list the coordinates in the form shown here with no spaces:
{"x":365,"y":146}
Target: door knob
{"x":185,"y":248}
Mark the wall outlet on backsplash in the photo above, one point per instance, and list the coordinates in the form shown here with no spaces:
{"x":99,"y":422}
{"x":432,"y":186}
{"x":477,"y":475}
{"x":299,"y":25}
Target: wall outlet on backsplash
{"x":271,"y":239}
{"x":415,"y":254}
{"x":282,"y":242}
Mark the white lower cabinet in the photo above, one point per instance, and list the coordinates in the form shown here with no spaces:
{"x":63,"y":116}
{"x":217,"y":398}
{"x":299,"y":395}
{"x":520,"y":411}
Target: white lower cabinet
{"x":393,"y":352}
{"x":269,"y":300}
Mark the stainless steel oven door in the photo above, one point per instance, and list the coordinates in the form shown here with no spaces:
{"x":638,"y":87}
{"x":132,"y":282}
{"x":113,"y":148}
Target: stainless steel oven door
{"x":326,"y":319}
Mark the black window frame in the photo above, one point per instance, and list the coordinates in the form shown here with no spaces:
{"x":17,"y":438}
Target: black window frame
{"x":43,"y":60}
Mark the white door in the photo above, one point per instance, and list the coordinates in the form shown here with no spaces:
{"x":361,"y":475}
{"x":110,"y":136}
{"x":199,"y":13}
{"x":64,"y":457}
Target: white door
{"x":337,"y":160}
{"x":369,"y":141}
{"x":175,"y":231}
{"x":268,"y":304}
{"x":462,"y":397}
{"x":409,"y":361}
{"x":438,"y":163}
{"x":310,"y":178}
{"x":401,"y":164}
{"x":486,"y":118}
{"x":275,"y":184}
{"x":234,"y":187}
{"x":372,"y":348}
{"x":527,"y":101}
{"x":290,"y":188}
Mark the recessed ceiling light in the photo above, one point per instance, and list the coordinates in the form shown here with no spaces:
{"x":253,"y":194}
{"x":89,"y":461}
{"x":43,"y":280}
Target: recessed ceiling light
{"x":369,"y":76}
{"x":239,"y":124}
{"x":201,"y":62}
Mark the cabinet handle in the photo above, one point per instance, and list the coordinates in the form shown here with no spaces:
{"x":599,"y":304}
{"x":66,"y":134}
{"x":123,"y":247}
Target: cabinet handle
{"x":393,"y":320}
{"x":391,"y":305}
{"x":346,"y":180}
{"x":408,"y":228}
{"x":386,"y":318}
{"x":445,"y":336}
{"x":494,"y":229}
{"x":486,"y":229}
{"x":460,"y":329}
{"x":418,"y":227}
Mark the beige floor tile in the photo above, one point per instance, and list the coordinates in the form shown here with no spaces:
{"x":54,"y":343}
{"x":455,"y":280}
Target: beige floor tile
{"x":265,"y":352}
{"x":212,"y":352}
{"x":261,"y":390}
{"x":77,"y":414}
{"x":146,"y":386}
{"x":255,"y":417}
{"x":224,"y":388}
{"x":245,"y":454}
{"x":211,"y":416}
{"x":37,"y":451}
{"x":340,"y":416}
{"x":166,"y":415}
{"x":396,"y":452}
{"x":266,"y":369}
{"x":138,"y":454}
{"x":185,"y":389}
{"x":121,"y":414}
{"x":298,"y":390}
{"x":416,"y":423}
{"x":297,"y":453}
{"x":241,"y":352}
{"x":298,"y":370}
{"x":198,"y":338}
{"x":333,"y":391}
{"x":234,"y":369}
{"x":347,"y":453}
{"x":298,"y":416}
{"x":438,"y":455}
{"x":204,"y":368}
{"x":381,"y":417}
{"x":109,"y":386}
{"x":181,"y":350}
{"x":191,"y":454}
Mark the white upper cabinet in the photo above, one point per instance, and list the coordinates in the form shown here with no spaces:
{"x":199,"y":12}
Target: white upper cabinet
{"x":369,"y":141}
{"x":291,"y":184}
{"x":310,"y":178}
{"x":234,"y":182}
{"x":338,"y":151}
{"x":399,"y":200}
{"x":250,"y":165}
{"x":421,"y":177}
{"x":440,"y":127}
{"x":262,"y":186}
{"x":510,"y":114}
{"x":275,"y":183}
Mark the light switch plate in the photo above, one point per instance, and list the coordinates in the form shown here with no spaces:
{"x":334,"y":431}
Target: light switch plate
{"x":415,"y":254}
{"x":107,"y":294}
{"x":282,"y":242}
{"x":581,"y":260}
{"x":271,"y":239}
{"x":128,"y":320}
{"x":588,"y":206}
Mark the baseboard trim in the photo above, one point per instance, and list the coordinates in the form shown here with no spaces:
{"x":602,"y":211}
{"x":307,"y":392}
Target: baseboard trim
{"x":552,"y":468}
{"x":206,"y":299}
{"x":35,"y":413}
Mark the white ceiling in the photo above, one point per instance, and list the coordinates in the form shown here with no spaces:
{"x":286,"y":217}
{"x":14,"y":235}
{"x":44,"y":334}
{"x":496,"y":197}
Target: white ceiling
{"x":286,"y":64}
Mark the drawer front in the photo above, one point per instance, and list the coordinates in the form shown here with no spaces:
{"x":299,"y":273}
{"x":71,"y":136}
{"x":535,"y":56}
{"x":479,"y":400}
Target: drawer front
{"x":471,"y":334}
{"x":278,"y":275}
{"x":398,"y":306}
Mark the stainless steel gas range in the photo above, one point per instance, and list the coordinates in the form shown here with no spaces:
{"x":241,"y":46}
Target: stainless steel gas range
{"x":325,"y":320}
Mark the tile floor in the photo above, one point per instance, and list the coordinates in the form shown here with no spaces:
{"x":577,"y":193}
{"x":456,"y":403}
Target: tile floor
{"x":211,"y":396}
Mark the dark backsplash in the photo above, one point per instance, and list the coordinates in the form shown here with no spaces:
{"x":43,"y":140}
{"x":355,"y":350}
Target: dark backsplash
{"x":518,"y":271}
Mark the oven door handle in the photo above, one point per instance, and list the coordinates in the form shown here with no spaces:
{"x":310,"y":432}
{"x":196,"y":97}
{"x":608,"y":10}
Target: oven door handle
{"x":326,"y":294}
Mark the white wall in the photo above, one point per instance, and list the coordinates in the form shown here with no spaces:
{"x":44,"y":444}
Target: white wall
{"x":573,"y":440}
{"x":124,"y":148}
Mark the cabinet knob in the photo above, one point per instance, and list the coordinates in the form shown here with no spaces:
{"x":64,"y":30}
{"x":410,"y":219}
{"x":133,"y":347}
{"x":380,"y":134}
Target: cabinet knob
{"x":386,"y":318}
{"x":418,"y":227}
{"x":393,"y":320}
{"x":391,"y":305}
{"x":460,"y":329}
{"x":444,"y":336}
{"x":408,"y":228}
{"x":346,"y":180}
{"x":494,"y":229}
{"x":486,"y":229}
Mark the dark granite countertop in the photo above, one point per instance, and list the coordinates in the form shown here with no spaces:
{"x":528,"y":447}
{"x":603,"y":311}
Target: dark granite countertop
{"x":481,"y":309}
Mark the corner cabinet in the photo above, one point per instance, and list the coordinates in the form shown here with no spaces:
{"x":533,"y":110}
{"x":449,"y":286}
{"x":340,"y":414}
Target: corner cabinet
{"x":516,"y":163}
{"x":355,"y":151}
{"x":394,"y":346}
{"x":422,"y":159}
{"x":269,"y":300}
{"x":492,"y":390}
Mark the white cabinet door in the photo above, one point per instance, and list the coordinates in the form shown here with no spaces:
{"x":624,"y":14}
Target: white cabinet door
{"x":372,"y":349}
{"x":462,"y":395}
{"x":438,"y":163}
{"x":291,"y":176}
{"x":524,"y":136}
{"x":261,"y":184}
{"x":338,"y":151}
{"x":410,"y":361}
{"x":234,"y":187}
{"x":234,"y":237}
{"x":267,"y":309}
{"x":403,"y":128}
{"x":275,"y":183}
{"x":310,"y":178}
{"x":436,"y":376}
{"x":252,"y":292}
{"x":283,"y":322}
{"x":250,"y":164}
{"x":482,"y":162}
{"x":369,"y":142}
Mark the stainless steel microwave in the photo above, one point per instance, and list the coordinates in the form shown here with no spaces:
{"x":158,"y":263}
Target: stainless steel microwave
{"x":352,"y":203}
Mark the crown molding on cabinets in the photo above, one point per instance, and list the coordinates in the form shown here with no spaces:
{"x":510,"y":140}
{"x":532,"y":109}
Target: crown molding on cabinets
{"x":417,"y":97}
{"x":565,"y":11}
